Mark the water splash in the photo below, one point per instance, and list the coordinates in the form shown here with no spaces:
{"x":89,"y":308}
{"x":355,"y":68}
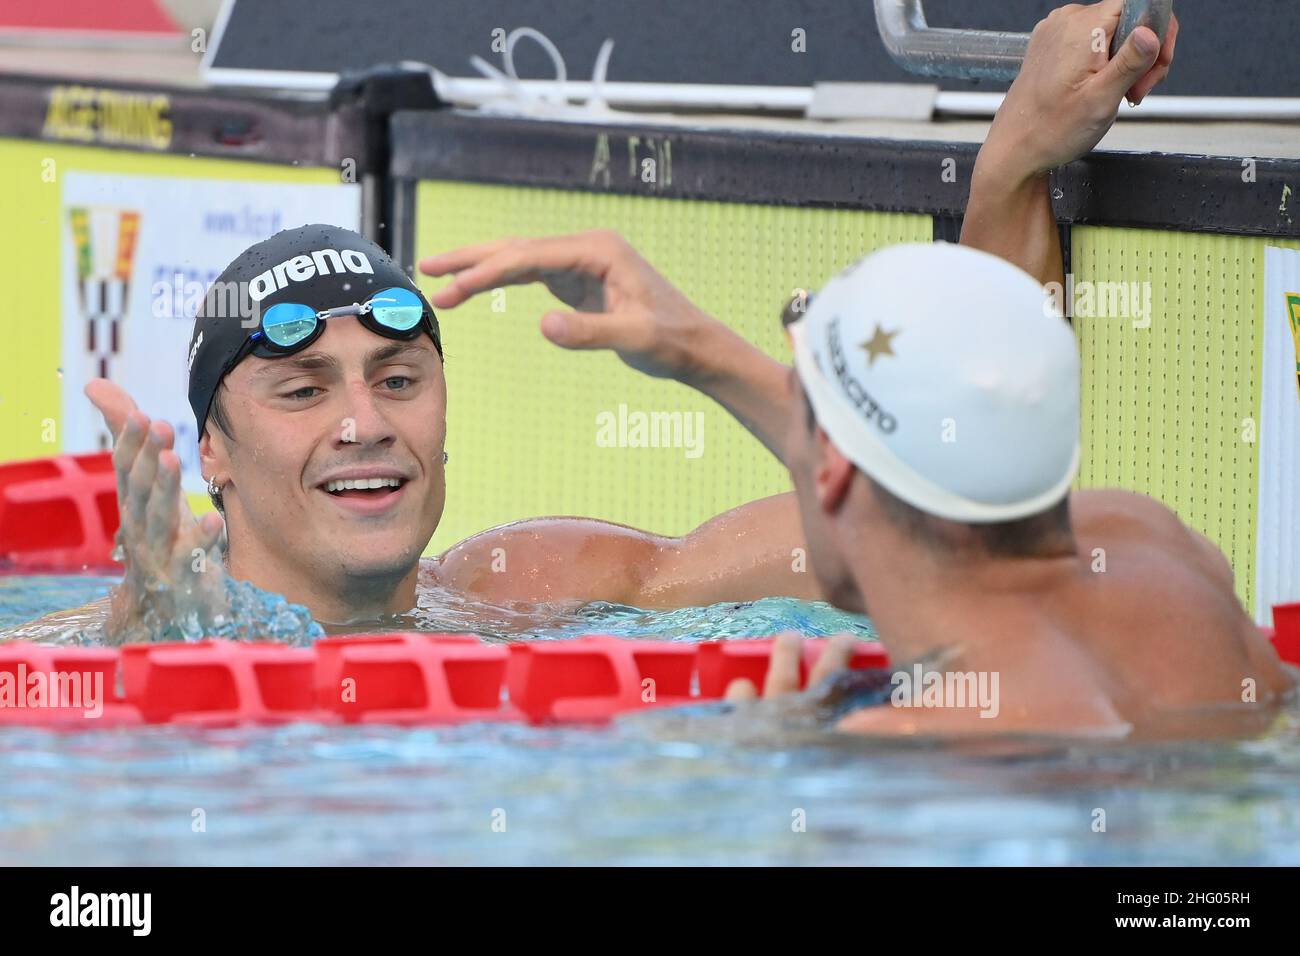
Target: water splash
{"x":258,"y":615}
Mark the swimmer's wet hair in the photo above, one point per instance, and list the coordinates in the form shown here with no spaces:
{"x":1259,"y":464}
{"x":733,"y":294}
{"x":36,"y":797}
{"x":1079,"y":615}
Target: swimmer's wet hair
{"x":1040,"y":535}
{"x":219,"y":417}
{"x":796,"y":308}
{"x":1035,"y":536}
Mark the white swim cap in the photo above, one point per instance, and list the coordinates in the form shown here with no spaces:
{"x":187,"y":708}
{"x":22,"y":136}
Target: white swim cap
{"x":942,"y":374}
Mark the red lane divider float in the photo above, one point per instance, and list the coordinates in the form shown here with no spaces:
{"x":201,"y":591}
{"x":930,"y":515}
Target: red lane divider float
{"x":58,"y":514}
{"x":1286,"y":632}
{"x":397,"y":678}
{"x":593,"y":678}
{"x":74,"y":688}
{"x":219,"y":683}
{"x":411,"y":678}
{"x":721,"y":662}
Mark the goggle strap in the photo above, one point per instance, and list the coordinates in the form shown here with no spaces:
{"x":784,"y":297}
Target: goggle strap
{"x":356,"y":308}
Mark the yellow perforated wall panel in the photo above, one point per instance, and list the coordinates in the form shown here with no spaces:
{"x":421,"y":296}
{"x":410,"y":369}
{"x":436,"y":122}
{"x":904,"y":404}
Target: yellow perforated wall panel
{"x":1171,"y":410}
{"x":522,"y":414}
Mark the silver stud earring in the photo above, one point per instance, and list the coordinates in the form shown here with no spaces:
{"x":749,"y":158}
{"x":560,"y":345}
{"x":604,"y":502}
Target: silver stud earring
{"x":214,"y":489}
{"x":445,"y":458}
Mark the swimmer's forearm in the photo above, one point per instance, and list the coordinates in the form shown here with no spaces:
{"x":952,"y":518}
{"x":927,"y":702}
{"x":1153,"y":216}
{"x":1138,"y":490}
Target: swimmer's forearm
{"x":744,"y":380}
{"x":125,"y":621}
{"x":753,"y":551}
{"x":1010,"y":215}
{"x":129,"y":621}
{"x":141,"y":612}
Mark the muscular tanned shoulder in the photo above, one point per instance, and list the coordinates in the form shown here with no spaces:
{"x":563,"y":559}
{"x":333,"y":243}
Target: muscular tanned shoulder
{"x":1105,"y":514}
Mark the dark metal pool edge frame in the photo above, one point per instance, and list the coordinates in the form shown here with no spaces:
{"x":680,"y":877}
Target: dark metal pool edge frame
{"x":392,"y":147}
{"x":1181,"y":193}
{"x":282,"y":129}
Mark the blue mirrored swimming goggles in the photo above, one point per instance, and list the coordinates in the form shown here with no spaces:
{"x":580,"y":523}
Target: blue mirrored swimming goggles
{"x":289,"y":327}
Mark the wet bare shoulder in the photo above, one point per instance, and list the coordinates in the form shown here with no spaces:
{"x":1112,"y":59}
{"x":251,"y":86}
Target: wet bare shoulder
{"x":1116,"y":516}
{"x":546,"y":559}
{"x":1115,"y":511}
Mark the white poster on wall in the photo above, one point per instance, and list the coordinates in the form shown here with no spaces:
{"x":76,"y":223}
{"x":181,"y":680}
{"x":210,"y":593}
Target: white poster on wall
{"x":138,"y":253}
{"x":1277,"y":558}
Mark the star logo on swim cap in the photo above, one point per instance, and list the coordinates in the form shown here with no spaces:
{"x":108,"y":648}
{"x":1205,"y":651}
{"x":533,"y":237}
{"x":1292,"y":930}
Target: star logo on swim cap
{"x":880,"y":344}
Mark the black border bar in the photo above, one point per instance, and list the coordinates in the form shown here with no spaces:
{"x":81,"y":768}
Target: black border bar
{"x":973,"y":905}
{"x":1184,"y":193}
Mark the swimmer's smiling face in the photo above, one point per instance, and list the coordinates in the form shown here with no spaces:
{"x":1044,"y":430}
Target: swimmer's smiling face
{"x":335,"y":467}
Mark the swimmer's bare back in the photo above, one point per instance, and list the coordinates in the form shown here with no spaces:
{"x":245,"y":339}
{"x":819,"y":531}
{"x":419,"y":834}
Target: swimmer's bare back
{"x":1167,"y":634}
{"x":1139,"y":635}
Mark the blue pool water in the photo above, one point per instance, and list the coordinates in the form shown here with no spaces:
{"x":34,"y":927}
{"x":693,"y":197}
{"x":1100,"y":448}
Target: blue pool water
{"x":681,"y":788}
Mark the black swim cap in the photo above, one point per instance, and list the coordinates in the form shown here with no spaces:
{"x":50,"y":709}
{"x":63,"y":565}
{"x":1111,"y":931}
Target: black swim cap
{"x":320,"y":266}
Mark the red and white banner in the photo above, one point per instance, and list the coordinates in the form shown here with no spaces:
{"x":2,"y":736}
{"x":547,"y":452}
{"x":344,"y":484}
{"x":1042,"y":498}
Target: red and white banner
{"x":139,"y":253}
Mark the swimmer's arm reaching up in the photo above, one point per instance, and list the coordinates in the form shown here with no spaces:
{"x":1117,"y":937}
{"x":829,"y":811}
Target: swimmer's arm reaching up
{"x":1059,"y":108}
{"x":620,"y":302}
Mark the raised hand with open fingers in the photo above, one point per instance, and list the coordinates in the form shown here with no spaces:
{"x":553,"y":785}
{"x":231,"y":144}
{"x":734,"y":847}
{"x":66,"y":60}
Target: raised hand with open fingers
{"x":619,"y":301}
{"x":174,"y":581}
